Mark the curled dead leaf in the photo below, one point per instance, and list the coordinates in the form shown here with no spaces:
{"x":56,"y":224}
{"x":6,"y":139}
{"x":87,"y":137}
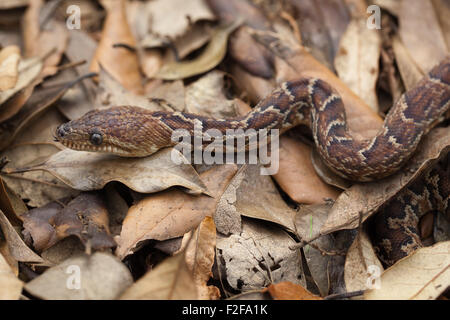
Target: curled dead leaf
{"x":212,"y":55}
{"x":88,"y":171}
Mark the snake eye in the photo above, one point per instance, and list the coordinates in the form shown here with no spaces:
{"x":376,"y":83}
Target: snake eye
{"x":96,"y":139}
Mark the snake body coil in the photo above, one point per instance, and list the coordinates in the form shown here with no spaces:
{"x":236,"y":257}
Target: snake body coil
{"x":135,"y":132}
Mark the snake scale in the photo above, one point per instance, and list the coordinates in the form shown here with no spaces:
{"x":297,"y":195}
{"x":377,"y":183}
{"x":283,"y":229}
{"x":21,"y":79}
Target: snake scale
{"x":135,"y":132}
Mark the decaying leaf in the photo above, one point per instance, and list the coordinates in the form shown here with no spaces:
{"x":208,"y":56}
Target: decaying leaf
{"x":170,"y":280}
{"x":85,"y":217}
{"x":100,"y":276}
{"x":88,"y":171}
{"x":172,"y":213}
{"x":423,"y":275}
{"x":257,"y":257}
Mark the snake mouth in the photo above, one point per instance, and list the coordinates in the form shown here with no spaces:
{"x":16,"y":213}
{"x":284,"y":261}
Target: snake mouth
{"x":105,"y":148}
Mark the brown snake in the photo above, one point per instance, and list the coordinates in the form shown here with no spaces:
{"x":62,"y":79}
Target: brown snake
{"x":135,"y":132}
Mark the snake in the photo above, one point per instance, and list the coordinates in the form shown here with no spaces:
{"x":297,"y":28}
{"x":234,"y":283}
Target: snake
{"x":395,"y":227}
{"x":132,"y":131}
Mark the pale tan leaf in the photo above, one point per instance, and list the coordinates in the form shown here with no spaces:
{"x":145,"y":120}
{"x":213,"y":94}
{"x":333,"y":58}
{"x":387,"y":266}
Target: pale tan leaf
{"x":10,"y":285}
{"x":9,"y":67}
{"x":87,"y":171}
{"x":358,"y":269}
{"x":167,"y":22}
{"x":29,"y":69}
{"x":358,"y":58}
{"x":100,"y":276}
{"x":170,"y":280}
{"x":423,"y":275}
{"x":421,"y":33}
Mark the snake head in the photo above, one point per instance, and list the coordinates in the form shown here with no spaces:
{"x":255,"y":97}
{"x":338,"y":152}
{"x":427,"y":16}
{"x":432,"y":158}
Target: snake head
{"x":118,"y":130}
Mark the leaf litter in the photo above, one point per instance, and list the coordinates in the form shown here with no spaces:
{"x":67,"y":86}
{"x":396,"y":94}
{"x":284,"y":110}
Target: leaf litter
{"x":150,"y":229}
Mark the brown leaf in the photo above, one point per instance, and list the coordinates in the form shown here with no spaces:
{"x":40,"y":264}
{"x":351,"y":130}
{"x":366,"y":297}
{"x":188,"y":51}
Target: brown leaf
{"x":290,"y":291}
{"x":200,"y":254}
{"x":100,"y":277}
{"x":85,"y":217}
{"x":170,"y":280}
{"x":120,"y":62}
{"x":172,"y":213}
{"x":296,"y":175}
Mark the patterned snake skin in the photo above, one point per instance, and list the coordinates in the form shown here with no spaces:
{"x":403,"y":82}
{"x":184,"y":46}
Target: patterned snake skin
{"x":135,"y":132}
{"x":396,"y":232}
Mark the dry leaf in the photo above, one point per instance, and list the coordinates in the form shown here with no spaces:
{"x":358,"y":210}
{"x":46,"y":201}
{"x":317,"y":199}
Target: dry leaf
{"x":88,"y":171}
{"x":10,"y":285}
{"x":211,"y":56}
{"x":200,"y":254}
{"x":29,"y":69}
{"x":357,"y":60}
{"x":423,"y":275}
{"x":167,"y":22}
{"x":85,"y":217}
{"x":173,"y":213}
{"x":260,"y":255}
{"x":296,"y":175}
{"x":9,"y":67}
{"x":170,"y":280}
{"x":85,"y":277}
{"x":409,"y":70}
{"x":117,"y":31}
{"x":17,"y":247}
{"x":290,"y":291}
{"x":421,"y":33}
{"x":359,"y":270}
{"x":252,"y":195}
